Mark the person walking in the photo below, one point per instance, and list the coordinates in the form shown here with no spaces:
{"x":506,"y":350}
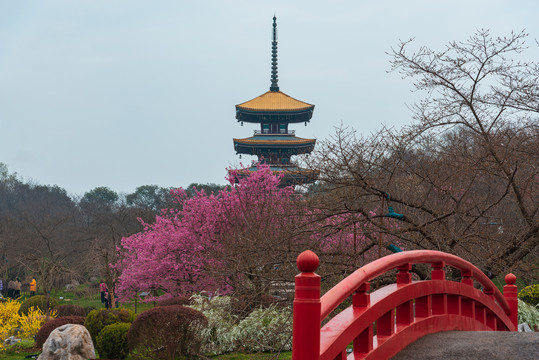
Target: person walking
{"x":17,"y":288}
{"x":33,"y":286}
{"x":107,"y":297}
{"x":103,"y":289}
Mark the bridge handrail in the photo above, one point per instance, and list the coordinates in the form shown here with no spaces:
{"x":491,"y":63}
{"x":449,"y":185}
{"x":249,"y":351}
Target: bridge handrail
{"x":346,"y":287}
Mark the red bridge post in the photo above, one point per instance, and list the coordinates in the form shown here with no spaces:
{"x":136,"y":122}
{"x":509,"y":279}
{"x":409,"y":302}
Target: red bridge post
{"x":307,"y":308}
{"x":363,"y":342}
{"x":510,"y":292}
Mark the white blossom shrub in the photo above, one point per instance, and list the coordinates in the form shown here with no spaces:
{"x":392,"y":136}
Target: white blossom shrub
{"x":265,"y":329}
{"x":217,"y":337}
{"x":528,"y":314}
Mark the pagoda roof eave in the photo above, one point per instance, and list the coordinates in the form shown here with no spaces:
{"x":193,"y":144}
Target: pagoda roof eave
{"x":274,"y":102}
{"x":274,"y":117}
{"x":260,"y":149}
{"x":274,"y":112}
{"x":252,"y":141}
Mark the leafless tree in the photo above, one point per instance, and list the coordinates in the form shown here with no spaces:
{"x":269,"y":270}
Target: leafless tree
{"x":106,"y":219}
{"x":465,"y":174}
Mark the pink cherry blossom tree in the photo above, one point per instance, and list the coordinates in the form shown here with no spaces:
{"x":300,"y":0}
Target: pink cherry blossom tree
{"x":244,"y":239}
{"x":210,"y":242}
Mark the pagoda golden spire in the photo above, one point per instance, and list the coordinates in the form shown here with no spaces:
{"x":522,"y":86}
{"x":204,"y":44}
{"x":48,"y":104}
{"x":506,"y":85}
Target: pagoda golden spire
{"x":274,"y":85}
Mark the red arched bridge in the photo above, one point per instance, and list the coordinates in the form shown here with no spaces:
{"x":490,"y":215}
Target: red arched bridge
{"x":381,"y":323}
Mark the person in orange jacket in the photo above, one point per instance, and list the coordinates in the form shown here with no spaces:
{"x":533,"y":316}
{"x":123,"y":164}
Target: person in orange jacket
{"x":33,"y":286}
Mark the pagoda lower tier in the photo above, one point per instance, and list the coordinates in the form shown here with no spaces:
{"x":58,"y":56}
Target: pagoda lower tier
{"x":291,"y":174}
{"x":274,"y":145}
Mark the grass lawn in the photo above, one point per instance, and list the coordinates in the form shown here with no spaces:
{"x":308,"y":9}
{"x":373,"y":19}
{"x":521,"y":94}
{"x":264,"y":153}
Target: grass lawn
{"x":235,"y":356}
{"x":238,"y":356}
{"x":13,"y":356}
{"x":94,"y":300}
{"x":20,"y":351}
{"x":16,"y":355}
{"x":21,"y":355}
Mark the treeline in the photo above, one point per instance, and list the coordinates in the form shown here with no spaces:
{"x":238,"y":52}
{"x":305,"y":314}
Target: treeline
{"x":57,"y":237}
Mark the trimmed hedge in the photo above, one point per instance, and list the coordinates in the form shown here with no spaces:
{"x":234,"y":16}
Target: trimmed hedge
{"x":48,"y":327}
{"x":112,"y":341}
{"x":98,"y":319}
{"x":166,"y":332}
{"x":69,"y":310}
{"x":38,"y":301}
{"x":179,"y":300}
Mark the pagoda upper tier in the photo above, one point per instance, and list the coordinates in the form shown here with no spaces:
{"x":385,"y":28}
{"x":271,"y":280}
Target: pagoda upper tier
{"x":273,"y":107}
{"x":275,"y":144}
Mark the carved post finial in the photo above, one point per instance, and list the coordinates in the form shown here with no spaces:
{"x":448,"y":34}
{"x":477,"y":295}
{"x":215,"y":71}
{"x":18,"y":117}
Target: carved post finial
{"x":307,"y":261}
{"x":510,"y":279}
{"x":510,"y":292}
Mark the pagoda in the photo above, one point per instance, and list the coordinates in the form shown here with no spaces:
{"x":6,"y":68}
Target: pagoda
{"x":274,"y":143}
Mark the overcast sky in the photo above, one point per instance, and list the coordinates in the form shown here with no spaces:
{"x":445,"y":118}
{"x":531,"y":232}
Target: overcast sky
{"x":128,"y":93}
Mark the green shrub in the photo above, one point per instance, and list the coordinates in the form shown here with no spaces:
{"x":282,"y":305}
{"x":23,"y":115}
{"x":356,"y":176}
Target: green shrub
{"x":47,"y":327}
{"x":166,"y":332}
{"x":80,"y":293}
{"x":98,"y":319}
{"x":38,"y":301}
{"x":112,"y":341}
{"x":530,"y":294}
{"x":69,"y":310}
{"x":89,"y":309}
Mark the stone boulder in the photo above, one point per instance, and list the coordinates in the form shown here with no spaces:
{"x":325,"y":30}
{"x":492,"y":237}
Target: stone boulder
{"x":11,"y":340}
{"x":524,"y":327}
{"x":68,"y":342}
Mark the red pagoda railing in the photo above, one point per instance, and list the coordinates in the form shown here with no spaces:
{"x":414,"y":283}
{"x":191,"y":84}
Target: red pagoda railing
{"x":286,"y":132}
{"x":399,"y":313}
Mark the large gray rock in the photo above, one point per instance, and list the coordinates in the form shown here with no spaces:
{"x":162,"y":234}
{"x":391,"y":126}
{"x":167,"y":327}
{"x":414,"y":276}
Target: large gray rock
{"x":524,"y":327}
{"x":11,"y":340}
{"x":68,"y":342}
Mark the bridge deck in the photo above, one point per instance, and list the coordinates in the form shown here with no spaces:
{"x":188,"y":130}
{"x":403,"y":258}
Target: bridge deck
{"x":464,"y":345}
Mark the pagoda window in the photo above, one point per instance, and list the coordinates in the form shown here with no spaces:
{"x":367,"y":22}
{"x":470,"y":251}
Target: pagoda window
{"x":282,"y":128}
{"x":265,"y":128}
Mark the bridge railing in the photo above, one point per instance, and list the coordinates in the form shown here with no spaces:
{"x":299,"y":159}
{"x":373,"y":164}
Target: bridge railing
{"x":402,"y":312}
